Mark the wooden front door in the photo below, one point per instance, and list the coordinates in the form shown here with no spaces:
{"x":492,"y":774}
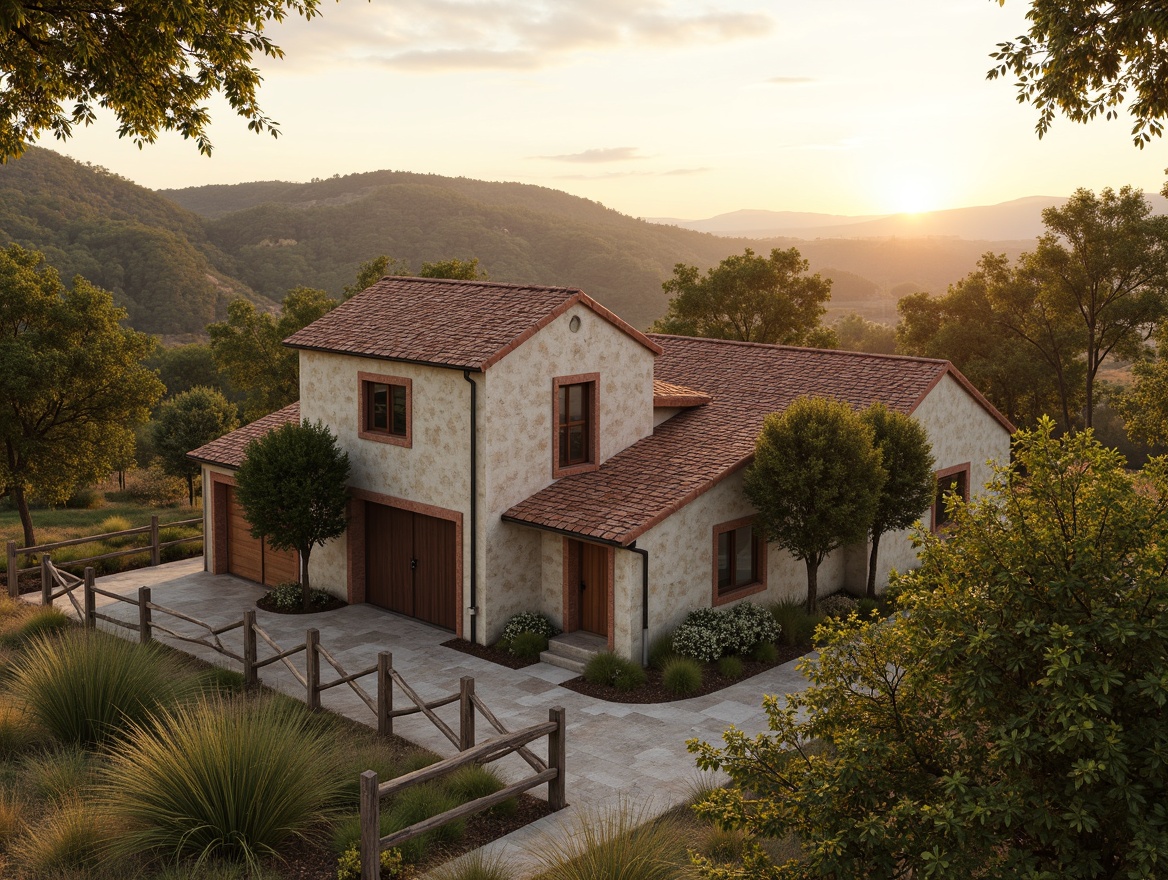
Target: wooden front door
{"x":592,"y":582}
{"x":411,"y":564}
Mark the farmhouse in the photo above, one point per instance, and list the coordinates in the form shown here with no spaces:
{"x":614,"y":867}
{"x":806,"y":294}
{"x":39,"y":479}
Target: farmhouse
{"x":521,"y":448}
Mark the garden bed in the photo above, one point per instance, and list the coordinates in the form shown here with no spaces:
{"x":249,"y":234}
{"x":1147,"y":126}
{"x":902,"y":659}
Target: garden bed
{"x":653,"y":691}
{"x":490,"y":652}
{"x":321,"y":602}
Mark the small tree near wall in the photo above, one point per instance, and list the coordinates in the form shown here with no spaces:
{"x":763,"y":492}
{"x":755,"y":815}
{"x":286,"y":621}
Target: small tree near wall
{"x":293,"y":489}
{"x":907,"y":458}
{"x":815,"y":481}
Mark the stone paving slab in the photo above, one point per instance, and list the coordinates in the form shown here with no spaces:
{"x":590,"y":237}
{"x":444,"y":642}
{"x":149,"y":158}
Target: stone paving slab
{"x":616,"y":752}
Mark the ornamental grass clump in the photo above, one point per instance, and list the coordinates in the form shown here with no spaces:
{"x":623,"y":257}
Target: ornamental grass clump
{"x":796,"y":626}
{"x":415,"y":805}
{"x":58,"y":775}
{"x":730,"y":667}
{"x":528,"y":645}
{"x":477,"y":865}
{"x":602,"y":668}
{"x":69,"y":842}
{"x":18,"y":730}
{"x":45,"y":620}
{"x":624,"y":844}
{"x":87,"y":687}
{"x":682,"y":677}
{"x":215,"y":779}
{"x":474,"y":781}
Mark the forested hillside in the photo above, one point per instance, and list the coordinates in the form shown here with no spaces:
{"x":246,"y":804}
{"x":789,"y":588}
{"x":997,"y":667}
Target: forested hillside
{"x":174,"y":258}
{"x":153,"y":255}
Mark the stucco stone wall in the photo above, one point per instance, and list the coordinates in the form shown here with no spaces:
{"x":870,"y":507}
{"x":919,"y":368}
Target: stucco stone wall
{"x":516,"y":436}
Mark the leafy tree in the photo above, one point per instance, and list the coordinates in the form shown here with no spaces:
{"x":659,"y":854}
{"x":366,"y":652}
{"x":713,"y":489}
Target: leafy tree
{"x":183,"y":367}
{"x":72,"y":383}
{"x":187,"y":421}
{"x":815,"y":481}
{"x":1084,"y":59}
{"x":248,"y":348}
{"x":907,"y":458}
{"x":154,"y":65}
{"x":856,"y":333}
{"x":1104,"y":262}
{"x":293,"y":486}
{"x":372,"y":271}
{"x":749,"y":298}
{"x":1011,"y":722}
{"x":462,"y":270}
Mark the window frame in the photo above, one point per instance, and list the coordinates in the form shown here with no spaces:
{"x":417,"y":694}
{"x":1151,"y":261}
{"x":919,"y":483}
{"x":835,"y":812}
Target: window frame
{"x":936,"y":524}
{"x":592,"y":428}
{"x":365,"y":381}
{"x":732,"y":593}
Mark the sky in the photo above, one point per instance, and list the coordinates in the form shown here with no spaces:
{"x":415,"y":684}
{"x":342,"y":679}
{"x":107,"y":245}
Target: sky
{"x":657,"y":108}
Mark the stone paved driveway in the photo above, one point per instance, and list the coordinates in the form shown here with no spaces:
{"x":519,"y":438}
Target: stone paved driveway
{"x":615,"y":751}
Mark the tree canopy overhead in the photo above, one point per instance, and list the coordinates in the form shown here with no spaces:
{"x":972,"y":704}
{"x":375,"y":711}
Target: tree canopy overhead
{"x":154,"y":65}
{"x":1011,"y":724}
{"x":1086,"y":58}
{"x":750,"y":298}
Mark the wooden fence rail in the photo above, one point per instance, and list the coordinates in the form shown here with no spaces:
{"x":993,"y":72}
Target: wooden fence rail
{"x":154,"y":547}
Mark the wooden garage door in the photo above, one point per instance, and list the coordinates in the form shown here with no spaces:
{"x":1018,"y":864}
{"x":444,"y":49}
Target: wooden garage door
{"x":410,"y":564}
{"x":251,"y":558}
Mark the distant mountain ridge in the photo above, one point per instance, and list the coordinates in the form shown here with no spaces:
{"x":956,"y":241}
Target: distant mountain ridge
{"x":1015,"y":220}
{"x":175,"y":258}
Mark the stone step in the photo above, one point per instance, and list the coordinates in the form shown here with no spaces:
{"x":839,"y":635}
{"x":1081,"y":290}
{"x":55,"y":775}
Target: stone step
{"x":573,"y":650}
{"x":576,"y":666}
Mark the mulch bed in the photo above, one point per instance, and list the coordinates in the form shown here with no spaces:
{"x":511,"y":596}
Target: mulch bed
{"x":654,"y":692}
{"x":266,"y":604}
{"x":315,"y":860}
{"x":486,"y":652}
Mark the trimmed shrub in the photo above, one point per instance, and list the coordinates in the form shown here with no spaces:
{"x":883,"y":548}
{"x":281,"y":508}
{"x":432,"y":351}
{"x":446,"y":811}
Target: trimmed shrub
{"x":602,"y":668}
{"x":731,"y":667}
{"x":745,"y":625}
{"x":528,"y":645}
{"x":661,"y":649}
{"x":349,"y":863}
{"x":764,"y":652}
{"x":706,"y":634}
{"x":624,"y":844}
{"x":86,"y":498}
{"x":215,"y":779}
{"x":698,"y":640}
{"x":682,"y":676}
{"x":528,"y":621}
{"x":86,"y":687}
{"x":838,"y":605}
{"x":69,"y":841}
{"x":630,"y":677}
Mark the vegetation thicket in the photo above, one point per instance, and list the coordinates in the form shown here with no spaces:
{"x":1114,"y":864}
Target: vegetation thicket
{"x":72,"y":383}
{"x":293,"y":488}
{"x":1010,"y":721}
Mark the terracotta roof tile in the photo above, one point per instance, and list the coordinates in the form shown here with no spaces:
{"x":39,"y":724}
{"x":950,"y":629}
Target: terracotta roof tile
{"x":694,"y":450}
{"x":460,"y":324}
{"x":666,"y":394}
{"x":228,"y":449}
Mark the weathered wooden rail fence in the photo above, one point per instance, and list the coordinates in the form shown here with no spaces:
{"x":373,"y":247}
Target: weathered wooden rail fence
{"x":56,"y":584}
{"x":154,"y":547}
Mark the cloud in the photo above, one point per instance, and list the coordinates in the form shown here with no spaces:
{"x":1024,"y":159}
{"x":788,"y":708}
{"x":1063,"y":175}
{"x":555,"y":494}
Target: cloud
{"x":790,"y":80}
{"x":455,"y":35}
{"x":609,"y":154}
{"x":608,"y":175}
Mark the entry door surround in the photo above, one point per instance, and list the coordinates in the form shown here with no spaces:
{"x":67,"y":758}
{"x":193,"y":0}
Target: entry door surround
{"x":356,"y":550}
{"x":590,"y":609}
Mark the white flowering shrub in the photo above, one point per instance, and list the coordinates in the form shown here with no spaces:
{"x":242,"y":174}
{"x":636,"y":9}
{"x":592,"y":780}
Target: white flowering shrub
{"x":528,"y":621}
{"x":707,"y":634}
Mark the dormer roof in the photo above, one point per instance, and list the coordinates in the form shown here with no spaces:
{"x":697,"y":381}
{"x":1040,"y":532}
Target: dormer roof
{"x":463,"y":325}
{"x":667,"y":394}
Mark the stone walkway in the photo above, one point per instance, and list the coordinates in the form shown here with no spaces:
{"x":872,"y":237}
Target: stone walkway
{"x":615,"y":751}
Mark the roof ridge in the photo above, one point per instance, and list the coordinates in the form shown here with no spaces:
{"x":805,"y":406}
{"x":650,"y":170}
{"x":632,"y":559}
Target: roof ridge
{"x":477,"y":282}
{"x":772,"y":345}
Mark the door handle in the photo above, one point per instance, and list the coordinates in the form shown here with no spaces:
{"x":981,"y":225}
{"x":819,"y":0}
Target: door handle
{"x":413,"y":565}
{"x":583,"y":586}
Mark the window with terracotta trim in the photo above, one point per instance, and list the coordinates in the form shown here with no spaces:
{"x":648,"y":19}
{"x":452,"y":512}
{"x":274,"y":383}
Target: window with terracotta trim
{"x":949,"y":481}
{"x":575,"y":429}
{"x":739,"y":560}
{"x":385,"y":409}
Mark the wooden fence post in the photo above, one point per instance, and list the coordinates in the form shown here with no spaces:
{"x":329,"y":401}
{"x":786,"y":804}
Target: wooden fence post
{"x":312,"y":668}
{"x":466,"y":713}
{"x":370,"y":827}
{"x":250,"y":673}
{"x":155,"y":550}
{"x":13,"y":571}
{"x":557,"y":758}
{"x":384,"y":694}
{"x":88,"y":600}
{"x":144,"y":634}
{"x":46,"y":579}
